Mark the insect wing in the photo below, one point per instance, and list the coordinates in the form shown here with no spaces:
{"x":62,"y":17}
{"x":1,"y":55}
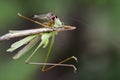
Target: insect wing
{"x":27,"y":47}
{"x":44,"y":16}
{"x":19,"y":43}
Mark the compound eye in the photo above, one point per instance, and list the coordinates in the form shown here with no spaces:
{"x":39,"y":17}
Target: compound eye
{"x":55,"y":16}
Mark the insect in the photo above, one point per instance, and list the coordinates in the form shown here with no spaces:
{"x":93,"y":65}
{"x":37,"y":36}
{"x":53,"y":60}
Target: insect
{"x":51,"y":27}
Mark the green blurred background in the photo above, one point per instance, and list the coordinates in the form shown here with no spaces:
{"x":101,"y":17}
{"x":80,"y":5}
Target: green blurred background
{"x":95,"y":42}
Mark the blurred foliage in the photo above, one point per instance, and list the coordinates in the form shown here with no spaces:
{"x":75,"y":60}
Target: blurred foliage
{"x":95,"y":42}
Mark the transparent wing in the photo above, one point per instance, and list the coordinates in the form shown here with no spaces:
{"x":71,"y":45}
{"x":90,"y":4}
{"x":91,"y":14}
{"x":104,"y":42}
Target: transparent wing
{"x":19,"y":43}
{"x":27,"y":47}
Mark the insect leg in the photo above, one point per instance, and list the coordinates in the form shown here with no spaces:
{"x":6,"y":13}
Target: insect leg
{"x":46,"y":59}
{"x":61,"y":64}
{"x":32,"y":20}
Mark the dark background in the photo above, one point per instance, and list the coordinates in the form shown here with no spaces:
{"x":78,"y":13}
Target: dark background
{"x":95,"y":42}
